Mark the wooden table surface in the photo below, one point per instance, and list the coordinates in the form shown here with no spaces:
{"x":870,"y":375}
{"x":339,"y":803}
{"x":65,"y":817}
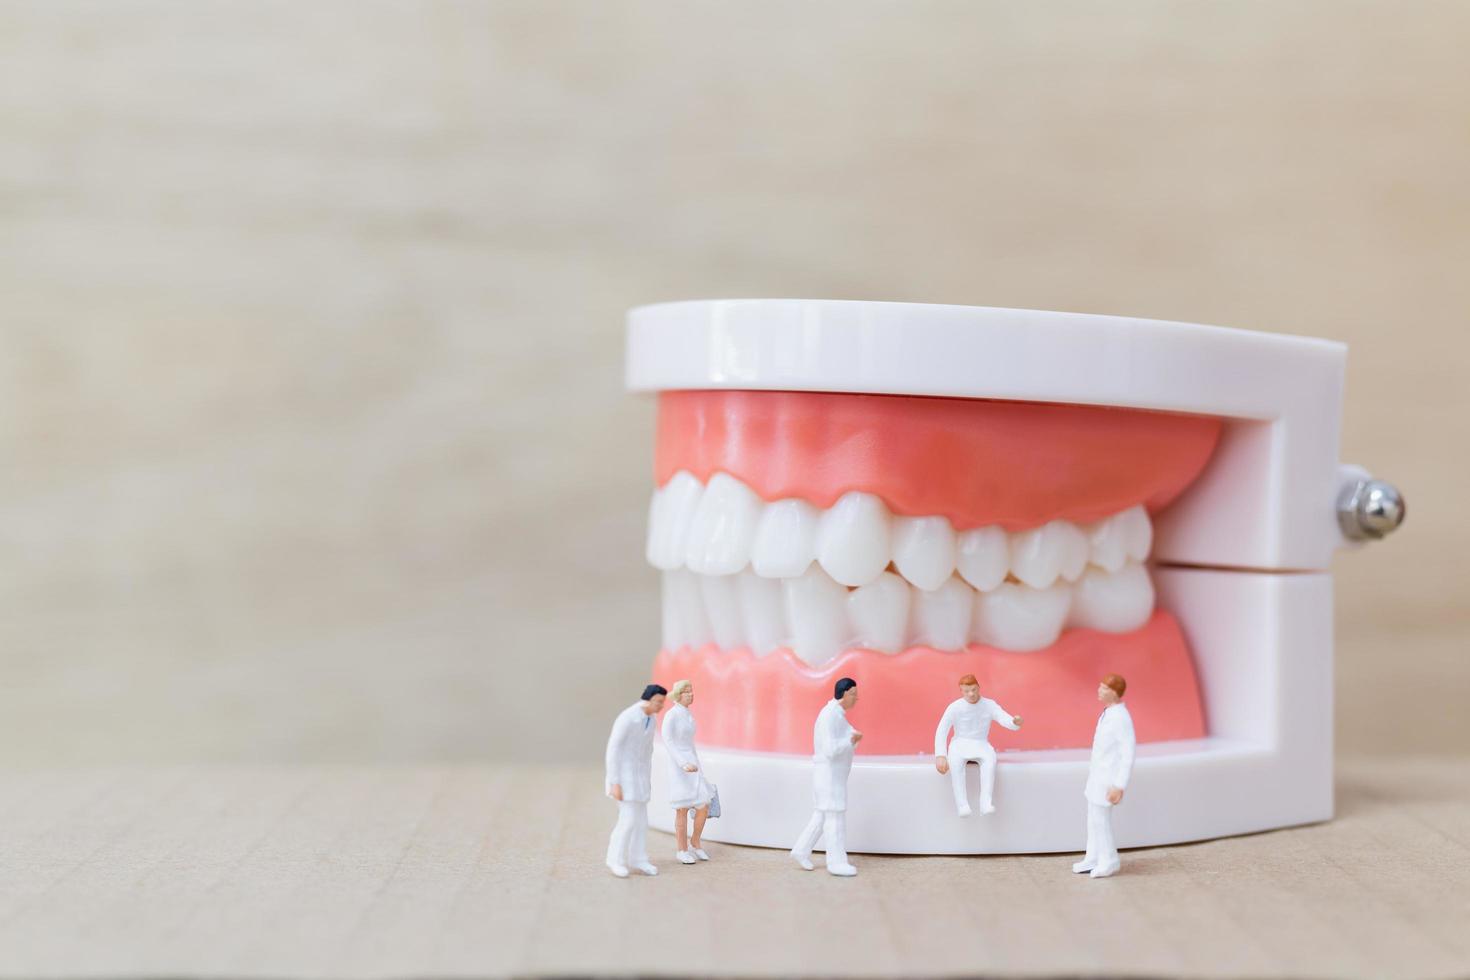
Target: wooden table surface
{"x":488,"y":871}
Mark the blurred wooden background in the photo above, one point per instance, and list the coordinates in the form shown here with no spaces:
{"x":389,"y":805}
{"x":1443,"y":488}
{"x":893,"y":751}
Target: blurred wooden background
{"x":311,"y":422}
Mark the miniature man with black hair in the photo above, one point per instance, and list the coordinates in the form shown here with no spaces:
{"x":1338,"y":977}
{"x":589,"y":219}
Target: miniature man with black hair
{"x":630,"y":782}
{"x":970,"y":716}
{"x":833,"y":743}
{"x":1107,"y":776}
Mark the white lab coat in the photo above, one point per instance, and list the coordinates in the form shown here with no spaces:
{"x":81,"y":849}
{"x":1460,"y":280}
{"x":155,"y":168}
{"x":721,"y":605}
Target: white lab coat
{"x":630,"y":754}
{"x":971,"y":722}
{"x":686,"y":789}
{"x":1113,"y":746}
{"x":832,"y":751}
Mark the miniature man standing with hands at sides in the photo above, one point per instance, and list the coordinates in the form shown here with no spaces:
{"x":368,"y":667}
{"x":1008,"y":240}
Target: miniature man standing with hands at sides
{"x":970,"y":717}
{"x":833,"y":742}
{"x":630,"y":782}
{"x":1107,"y":776}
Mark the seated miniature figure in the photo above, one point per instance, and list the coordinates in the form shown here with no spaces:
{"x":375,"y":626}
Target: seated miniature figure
{"x":970,"y":717}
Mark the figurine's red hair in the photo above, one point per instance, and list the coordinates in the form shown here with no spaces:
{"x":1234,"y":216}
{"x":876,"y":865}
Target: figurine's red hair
{"x":1117,"y":683}
{"x":969,"y":681}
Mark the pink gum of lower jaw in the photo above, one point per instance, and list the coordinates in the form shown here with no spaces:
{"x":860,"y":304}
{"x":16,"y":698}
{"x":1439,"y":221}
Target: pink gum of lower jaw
{"x":977,"y":462}
{"x":768,"y":704}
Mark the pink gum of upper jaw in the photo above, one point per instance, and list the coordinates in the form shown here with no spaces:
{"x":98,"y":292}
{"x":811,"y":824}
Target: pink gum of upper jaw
{"x":768,"y":704}
{"x":1016,"y":464}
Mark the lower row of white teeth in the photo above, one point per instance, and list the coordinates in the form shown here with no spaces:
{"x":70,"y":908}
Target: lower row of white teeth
{"x":818,"y":618}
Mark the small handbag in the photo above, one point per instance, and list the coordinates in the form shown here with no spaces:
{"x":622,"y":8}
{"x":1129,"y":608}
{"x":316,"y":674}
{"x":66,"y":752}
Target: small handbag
{"x":714,"y":800}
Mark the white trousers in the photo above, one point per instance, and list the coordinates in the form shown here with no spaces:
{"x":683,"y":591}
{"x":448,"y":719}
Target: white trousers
{"x":1101,"y":851}
{"x":961,"y":751}
{"x":628,"y":847}
{"x":830,"y":825}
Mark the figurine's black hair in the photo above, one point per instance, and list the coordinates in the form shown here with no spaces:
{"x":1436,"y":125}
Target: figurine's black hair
{"x":842,"y":687}
{"x":653,"y":689}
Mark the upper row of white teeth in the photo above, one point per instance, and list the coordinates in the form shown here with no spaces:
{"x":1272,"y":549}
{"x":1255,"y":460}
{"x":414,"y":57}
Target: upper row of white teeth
{"x":720,"y":528}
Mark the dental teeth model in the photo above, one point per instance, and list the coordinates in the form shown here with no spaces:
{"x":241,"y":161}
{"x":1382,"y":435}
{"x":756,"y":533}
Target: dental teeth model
{"x":902,"y":494}
{"x":779,"y":572}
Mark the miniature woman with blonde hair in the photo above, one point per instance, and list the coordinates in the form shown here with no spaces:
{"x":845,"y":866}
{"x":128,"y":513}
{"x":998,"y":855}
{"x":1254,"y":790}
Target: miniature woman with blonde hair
{"x":688,"y":789}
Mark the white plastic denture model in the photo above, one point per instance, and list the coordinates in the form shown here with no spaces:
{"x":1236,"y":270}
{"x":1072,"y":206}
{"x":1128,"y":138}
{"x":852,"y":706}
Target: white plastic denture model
{"x":904,"y":494}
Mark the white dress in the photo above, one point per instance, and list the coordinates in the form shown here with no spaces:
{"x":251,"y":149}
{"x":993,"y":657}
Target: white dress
{"x":686,"y":789}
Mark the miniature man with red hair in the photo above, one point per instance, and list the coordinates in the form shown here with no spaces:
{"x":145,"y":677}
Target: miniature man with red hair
{"x":970,"y":716}
{"x":1107,"y":776}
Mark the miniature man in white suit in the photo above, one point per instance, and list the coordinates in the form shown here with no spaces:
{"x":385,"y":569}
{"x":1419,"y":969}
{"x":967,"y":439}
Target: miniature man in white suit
{"x":630,"y":782}
{"x":970,"y":717}
{"x":833,"y":742}
{"x":1107,"y":776}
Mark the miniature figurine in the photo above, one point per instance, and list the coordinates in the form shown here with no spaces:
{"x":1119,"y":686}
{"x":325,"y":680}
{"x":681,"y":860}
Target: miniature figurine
{"x":1107,"y":777}
{"x":970,"y":717}
{"x":630,"y":782}
{"x":688,"y":789}
{"x":833,"y":743}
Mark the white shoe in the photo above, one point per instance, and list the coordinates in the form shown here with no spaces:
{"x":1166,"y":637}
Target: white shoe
{"x":618,"y":869}
{"x":1105,"y":870}
{"x":685,"y":857}
{"x":699,"y":853}
{"x":646,"y":868}
{"x":987,"y":808}
{"x":1082,"y":867}
{"x":803,"y":860}
{"x":842,"y":870}
{"x":963,"y":811}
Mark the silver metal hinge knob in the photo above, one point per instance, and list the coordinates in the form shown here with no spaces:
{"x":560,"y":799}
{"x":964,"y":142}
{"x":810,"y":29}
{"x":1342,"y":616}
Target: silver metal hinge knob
{"x":1368,"y":509}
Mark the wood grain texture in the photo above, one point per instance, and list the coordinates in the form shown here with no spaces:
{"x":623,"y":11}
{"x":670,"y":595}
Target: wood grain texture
{"x":477,"y":871}
{"x":311,"y":424}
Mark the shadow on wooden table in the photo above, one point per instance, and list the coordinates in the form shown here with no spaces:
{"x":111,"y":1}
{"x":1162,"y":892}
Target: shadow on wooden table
{"x":1368,"y":787}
